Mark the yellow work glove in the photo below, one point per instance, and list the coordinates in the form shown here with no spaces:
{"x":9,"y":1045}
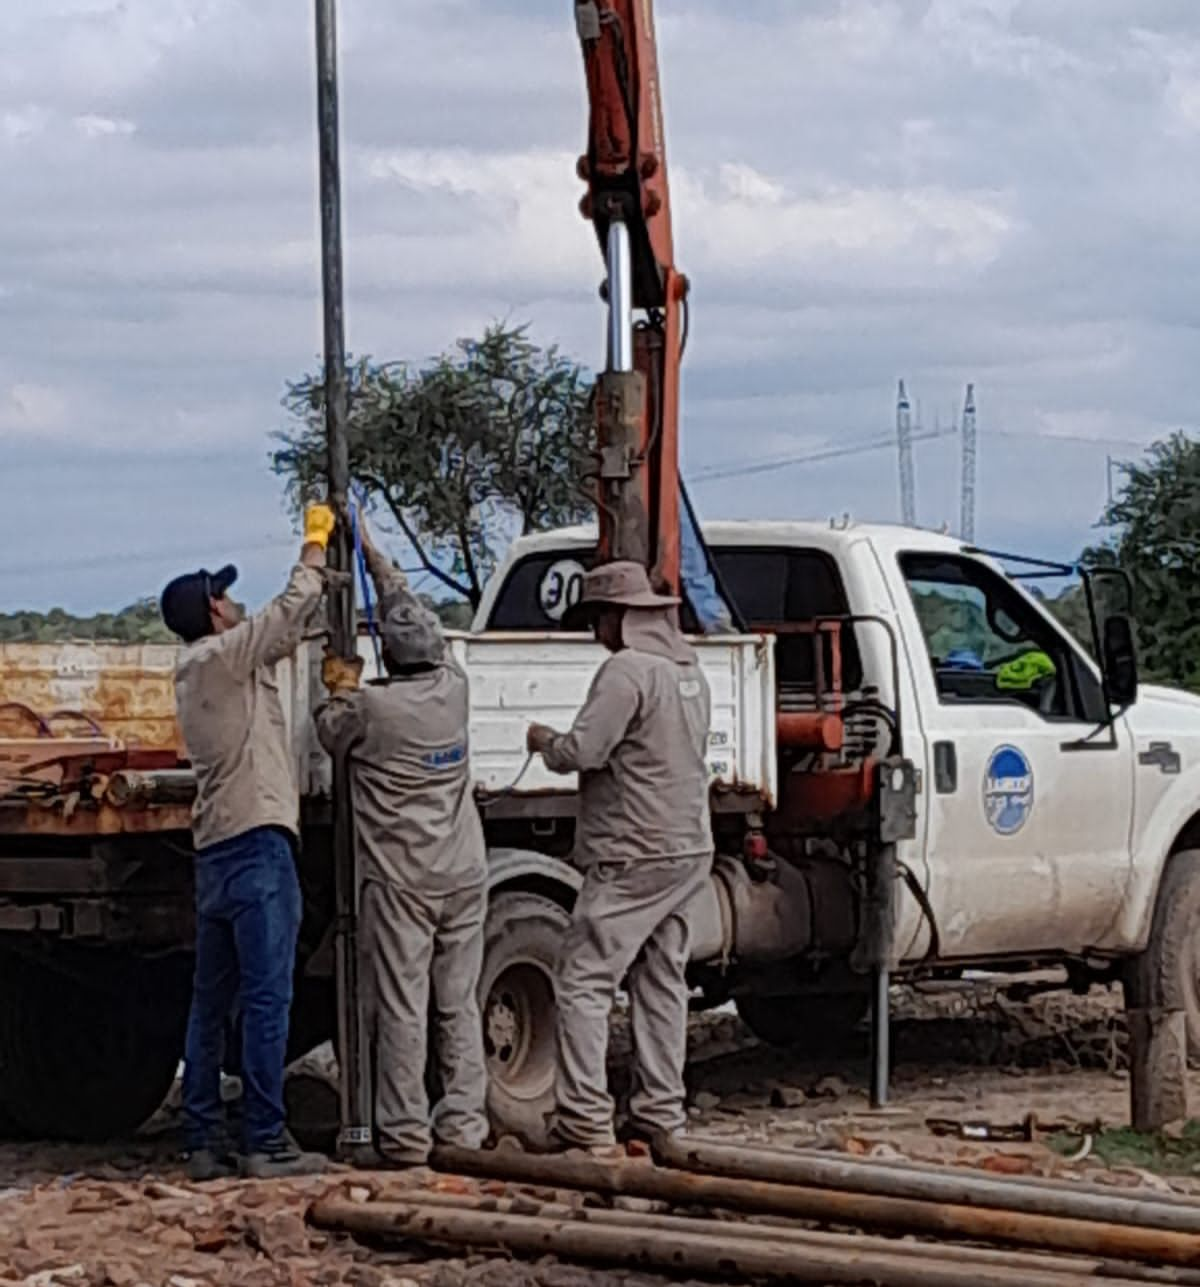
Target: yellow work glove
{"x":319,"y":522}
{"x":341,"y":674}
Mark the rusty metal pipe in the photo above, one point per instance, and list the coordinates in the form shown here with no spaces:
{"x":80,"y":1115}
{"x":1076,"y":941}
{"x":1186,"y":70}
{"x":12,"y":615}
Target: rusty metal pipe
{"x":687,"y":1252}
{"x":809,"y":731}
{"x":776,"y":1233}
{"x":129,"y":787}
{"x":828,"y":1206}
{"x":952,"y":1185}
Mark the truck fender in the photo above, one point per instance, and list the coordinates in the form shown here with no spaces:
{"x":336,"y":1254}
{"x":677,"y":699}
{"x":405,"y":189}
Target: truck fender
{"x":1172,"y":827}
{"x":527,"y":867}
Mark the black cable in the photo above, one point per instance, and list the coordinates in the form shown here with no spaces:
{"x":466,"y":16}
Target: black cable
{"x":914,"y":888}
{"x":885,"y":713}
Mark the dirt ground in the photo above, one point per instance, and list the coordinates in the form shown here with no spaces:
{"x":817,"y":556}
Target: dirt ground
{"x":123,"y":1215}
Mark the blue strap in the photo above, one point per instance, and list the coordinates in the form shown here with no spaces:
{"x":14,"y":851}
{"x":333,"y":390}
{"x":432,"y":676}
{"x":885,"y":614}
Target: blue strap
{"x":364,"y":580}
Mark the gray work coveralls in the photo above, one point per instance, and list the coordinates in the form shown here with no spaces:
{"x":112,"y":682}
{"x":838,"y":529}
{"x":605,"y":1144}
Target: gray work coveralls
{"x":423,"y":872}
{"x":644,"y":842}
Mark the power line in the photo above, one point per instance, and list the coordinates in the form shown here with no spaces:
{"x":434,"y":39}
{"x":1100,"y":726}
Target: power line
{"x":711,"y":473}
{"x":1051,"y":436}
{"x":885,"y":441}
{"x":143,"y":558}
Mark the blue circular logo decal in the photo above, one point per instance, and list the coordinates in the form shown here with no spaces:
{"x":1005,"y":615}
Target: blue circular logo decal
{"x":1007,"y":790}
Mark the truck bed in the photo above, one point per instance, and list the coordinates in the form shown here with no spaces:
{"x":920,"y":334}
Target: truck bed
{"x":516,"y":679}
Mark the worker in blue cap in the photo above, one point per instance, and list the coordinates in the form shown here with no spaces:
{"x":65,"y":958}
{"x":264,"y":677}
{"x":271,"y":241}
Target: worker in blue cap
{"x":245,"y":827}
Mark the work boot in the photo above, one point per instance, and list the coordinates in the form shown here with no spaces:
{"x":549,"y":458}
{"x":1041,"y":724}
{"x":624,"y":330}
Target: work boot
{"x":204,"y":1164}
{"x":601,"y":1152}
{"x":382,"y":1159}
{"x":556,"y":1144}
{"x":643,"y":1133}
{"x":280,"y":1158}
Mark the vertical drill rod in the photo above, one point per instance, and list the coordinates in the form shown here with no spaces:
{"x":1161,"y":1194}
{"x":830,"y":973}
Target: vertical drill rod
{"x":354,"y":1103}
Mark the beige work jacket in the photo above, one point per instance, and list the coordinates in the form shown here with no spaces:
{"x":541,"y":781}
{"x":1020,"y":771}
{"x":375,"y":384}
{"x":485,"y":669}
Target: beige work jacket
{"x":639,"y":745}
{"x":416,"y":823}
{"x":233,"y":722}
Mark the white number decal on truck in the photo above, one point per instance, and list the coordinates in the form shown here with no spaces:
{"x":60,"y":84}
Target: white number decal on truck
{"x":561,"y":587}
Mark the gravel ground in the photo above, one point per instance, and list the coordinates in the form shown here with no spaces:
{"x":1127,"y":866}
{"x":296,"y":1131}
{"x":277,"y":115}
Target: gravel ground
{"x":123,"y":1215}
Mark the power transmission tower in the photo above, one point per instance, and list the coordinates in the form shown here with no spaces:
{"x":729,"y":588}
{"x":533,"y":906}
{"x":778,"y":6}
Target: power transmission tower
{"x":969,"y":453}
{"x":908,"y":487}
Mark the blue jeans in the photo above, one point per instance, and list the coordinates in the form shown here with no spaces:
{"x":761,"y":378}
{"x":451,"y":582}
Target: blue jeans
{"x":247,"y":919}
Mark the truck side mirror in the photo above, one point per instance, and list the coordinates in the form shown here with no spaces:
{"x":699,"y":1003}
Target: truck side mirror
{"x":1120,"y":661}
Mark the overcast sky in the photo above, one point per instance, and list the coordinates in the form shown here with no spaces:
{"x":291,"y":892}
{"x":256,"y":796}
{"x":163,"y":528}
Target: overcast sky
{"x":1003,"y":191}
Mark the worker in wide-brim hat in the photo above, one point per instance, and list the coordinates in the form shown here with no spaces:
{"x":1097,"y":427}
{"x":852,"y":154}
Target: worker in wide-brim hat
{"x":643,"y":839}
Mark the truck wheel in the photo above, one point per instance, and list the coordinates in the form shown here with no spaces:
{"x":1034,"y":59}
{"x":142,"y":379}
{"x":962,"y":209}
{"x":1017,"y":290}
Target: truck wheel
{"x":80,"y":1064}
{"x":1167,"y":973}
{"x":516,"y":998}
{"x":793,"y":1021}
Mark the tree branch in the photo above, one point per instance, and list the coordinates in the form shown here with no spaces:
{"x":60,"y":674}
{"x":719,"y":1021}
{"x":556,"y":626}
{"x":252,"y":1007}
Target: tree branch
{"x":472,"y":571}
{"x":426,"y":562}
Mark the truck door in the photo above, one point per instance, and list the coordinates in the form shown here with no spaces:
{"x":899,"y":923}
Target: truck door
{"x":1029,"y":823}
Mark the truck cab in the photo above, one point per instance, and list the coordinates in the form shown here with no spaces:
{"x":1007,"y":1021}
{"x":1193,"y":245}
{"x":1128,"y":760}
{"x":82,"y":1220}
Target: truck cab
{"x":1045,"y":814}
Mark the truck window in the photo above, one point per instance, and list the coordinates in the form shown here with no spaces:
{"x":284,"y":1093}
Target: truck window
{"x":987,"y":644}
{"x":776,"y":587}
{"x":771,"y":587}
{"x":539,"y":589}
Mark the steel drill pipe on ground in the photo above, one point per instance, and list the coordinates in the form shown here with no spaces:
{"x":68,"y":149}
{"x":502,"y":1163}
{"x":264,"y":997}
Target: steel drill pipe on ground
{"x":826,"y":1206}
{"x":691,"y":1253}
{"x":744,"y":1231}
{"x":1173,"y":1200}
{"x":853,"y":1176}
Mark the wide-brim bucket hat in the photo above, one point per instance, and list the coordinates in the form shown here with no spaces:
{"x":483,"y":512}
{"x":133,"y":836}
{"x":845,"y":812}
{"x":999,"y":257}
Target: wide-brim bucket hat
{"x":620,"y":584}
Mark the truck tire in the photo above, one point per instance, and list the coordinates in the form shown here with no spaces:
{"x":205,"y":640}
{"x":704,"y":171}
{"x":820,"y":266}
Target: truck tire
{"x":516,"y":1000}
{"x":797,"y":1021}
{"x":1167,"y":974}
{"x":80,"y":1064}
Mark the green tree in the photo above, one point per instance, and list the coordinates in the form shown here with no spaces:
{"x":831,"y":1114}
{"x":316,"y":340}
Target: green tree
{"x":138,"y":623}
{"x":1155,"y":536}
{"x":1070,"y":610}
{"x":493,"y":436}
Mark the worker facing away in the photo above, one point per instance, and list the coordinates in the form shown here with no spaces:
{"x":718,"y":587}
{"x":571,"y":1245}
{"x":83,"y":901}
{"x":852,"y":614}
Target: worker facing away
{"x":423,"y":868}
{"x":245,"y":826}
{"x":644,"y":842}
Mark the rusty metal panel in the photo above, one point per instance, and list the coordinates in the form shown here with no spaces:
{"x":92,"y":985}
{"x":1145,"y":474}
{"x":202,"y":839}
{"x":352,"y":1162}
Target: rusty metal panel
{"x":127,"y":689}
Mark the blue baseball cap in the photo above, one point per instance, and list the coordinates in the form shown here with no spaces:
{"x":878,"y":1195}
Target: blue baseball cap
{"x":186,"y":603}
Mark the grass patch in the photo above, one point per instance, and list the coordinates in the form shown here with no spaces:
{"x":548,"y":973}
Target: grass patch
{"x":1168,"y":1155}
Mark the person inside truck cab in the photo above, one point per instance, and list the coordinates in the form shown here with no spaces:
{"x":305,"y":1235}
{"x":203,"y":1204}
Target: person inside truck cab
{"x":421,"y":851}
{"x":644,"y":842}
{"x":245,"y":826}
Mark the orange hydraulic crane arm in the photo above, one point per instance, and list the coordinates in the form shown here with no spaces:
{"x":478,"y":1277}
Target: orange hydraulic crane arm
{"x":628,"y":202}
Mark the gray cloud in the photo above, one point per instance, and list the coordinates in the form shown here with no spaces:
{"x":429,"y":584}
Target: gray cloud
{"x":949,"y":190}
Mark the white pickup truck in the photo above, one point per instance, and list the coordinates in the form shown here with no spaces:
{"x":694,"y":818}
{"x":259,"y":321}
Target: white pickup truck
{"x":1056,"y":807}
{"x":915,"y":770}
